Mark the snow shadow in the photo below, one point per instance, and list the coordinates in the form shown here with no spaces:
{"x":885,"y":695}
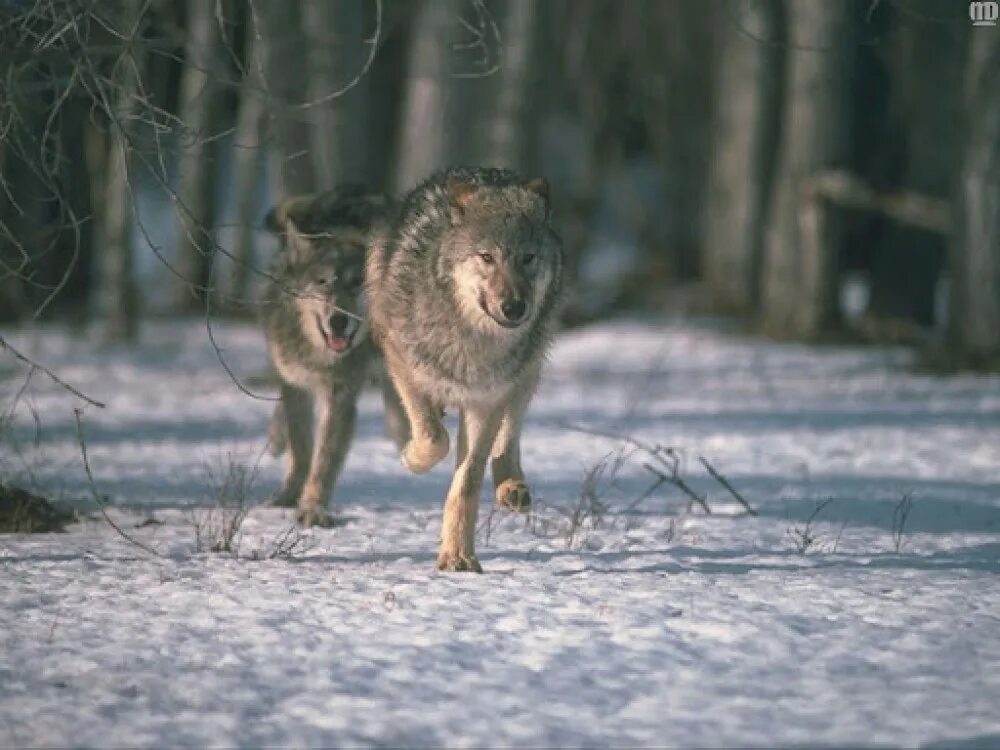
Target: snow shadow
{"x":686,"y":559}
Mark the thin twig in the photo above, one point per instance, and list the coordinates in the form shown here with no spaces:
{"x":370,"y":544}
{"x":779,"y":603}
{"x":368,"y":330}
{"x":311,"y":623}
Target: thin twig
{"x":803,"y":537}
{"x":675,"y":479}
{"x":667,"y":458}
{"x":725,"y":483}
{"x":899,"y":515}
{"x":649,"y":491}
{"x":78,"y":416}
{"x":55,"y":378}
{"x":218,"y":350}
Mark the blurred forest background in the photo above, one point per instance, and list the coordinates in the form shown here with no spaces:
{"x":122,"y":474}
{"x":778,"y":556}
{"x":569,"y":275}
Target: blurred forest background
{"x":814,"y":168}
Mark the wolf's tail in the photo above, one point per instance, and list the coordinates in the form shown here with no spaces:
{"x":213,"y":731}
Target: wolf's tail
{"x":277,"y":436}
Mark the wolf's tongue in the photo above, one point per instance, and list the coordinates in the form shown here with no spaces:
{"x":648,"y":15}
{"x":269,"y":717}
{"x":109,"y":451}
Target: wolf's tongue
{"x":337,"y":343}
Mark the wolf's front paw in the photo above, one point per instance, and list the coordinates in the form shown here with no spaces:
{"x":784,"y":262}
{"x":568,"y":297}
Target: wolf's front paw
{"x":312,"y":504}
{"x":314,"y":517}
{"x":458,"y":562}
{"x":424,"y":454}
{"x":513,"y":495}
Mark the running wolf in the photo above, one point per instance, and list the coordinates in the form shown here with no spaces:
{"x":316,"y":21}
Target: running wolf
{"x":318,"y":341}
{"x":463,"y":288}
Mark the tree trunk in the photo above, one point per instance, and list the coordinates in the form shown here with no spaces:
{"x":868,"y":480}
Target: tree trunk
{"x":508,"y":130}
{"x":119,"y":302}
{"x":974,"y":325}
{"x":247,"y":170}
{"x":25,"y":196}
{"x":335,"y":36}
{"x":925,"y":97}
{"x":292,"y":168}
{"x":747,"y":118}
{"x":799,"y":284}
{"x":72,"y":273}
{"x":429,"y":113}
{"x":386,"y":87}
{"x":680,"y":47}
{"x":201,"y":112}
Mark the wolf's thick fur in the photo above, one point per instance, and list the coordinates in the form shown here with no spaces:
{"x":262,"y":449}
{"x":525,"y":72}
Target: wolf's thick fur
{"x":463,"y":287}
{"x":314,"y":319}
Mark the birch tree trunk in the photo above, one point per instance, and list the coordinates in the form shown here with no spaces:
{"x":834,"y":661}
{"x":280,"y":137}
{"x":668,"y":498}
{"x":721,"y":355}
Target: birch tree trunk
{"x":798,"y":289}
{"x":335,"y":35}
{"x":508,"y":130}
{"x":201,"y":112}
{"x":119,"y":300}
{"x":292,"y":168}
{"x":747,"y":118}
{"x":974,"y":324}
{"x":429,"y":116}
{"x":247,"y":167}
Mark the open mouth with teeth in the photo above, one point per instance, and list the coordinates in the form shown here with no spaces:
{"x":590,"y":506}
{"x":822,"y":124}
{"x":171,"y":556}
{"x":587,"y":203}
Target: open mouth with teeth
{"x":338,"y":331}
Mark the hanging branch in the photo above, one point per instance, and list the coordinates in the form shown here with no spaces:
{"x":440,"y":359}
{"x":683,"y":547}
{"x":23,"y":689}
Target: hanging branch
{"x":55,"y":378}
{"x":78,"y":416}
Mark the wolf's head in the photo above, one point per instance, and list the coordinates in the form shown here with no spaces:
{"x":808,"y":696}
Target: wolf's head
{"x":324,"y":238}
{"x":502,"y":255}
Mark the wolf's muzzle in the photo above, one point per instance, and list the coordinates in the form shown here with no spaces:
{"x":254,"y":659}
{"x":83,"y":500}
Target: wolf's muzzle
{"x":338,"y":331}
{"x":514,"y":310}
{"x":505,"y":318}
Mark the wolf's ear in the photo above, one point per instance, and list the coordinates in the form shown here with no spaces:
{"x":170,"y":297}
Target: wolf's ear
{"x":461,"y":195}
{"x":297,"y":244}
{"x":282,"y":221}
{"x":297,"y":207}
{"x":274,"y":222}
{"x":540,"y":187}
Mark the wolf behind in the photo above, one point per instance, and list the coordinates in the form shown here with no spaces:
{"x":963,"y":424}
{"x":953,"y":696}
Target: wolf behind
{"x":463,"y":287}
{"x":317,"y":337}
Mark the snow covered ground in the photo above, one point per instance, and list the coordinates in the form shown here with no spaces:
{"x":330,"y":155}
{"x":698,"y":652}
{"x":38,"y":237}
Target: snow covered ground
{"x":657,"y":626}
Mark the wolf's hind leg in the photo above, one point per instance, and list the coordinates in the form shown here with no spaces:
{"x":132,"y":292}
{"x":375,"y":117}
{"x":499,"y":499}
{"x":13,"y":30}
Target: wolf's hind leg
{"x":296,"y":406}
{"x":508,"y":477}
{"x":428,"y":443}
{"x":334,"y":432}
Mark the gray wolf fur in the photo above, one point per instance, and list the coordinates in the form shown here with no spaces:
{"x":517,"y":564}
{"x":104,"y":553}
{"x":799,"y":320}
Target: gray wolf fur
{"x":318,"y":342}
{"x":463,"y":288}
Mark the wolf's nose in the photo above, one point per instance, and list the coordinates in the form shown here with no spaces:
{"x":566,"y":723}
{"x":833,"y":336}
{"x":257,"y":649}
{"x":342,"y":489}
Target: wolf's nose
{"x":513,"y":310}
{"x":339,"y":323}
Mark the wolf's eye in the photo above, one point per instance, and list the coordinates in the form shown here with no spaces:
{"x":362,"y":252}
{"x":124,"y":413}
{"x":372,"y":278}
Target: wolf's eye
{"x":323,"y":280}
{"x":528,"y":259}
{"x":486,"y":258}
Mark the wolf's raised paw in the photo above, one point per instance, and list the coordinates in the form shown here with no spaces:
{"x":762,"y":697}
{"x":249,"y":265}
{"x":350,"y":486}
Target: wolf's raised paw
{"x":457,"y":562}
{"x":513,"y":495}
{"x":420,"y":456}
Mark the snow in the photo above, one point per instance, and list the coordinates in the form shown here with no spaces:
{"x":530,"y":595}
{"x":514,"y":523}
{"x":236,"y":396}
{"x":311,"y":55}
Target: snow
{"x":661,"y":626}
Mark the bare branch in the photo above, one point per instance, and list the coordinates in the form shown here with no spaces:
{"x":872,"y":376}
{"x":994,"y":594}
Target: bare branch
{"x":729,"y":487}
{"x":899,"y":515}
{"x":98,"y":500}
{"x":218,"y":350}
{"x":55,"y":378}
